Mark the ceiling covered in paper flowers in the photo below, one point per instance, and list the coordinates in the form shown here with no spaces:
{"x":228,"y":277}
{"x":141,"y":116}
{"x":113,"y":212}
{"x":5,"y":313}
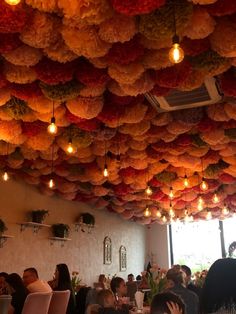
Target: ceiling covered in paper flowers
{"x":95,"y":59}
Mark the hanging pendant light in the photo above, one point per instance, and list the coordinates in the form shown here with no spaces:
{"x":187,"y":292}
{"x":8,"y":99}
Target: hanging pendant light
{"x":204,"y":185}
{"x":171,"y":193}
{"x":51,"y":183}
{"x":200,"y":203}
{"x":147,"y":212}
{"x":5,"y":176}
{"x":208,"y":215}
{"x":148,"y":190}
{"x":105,"y":171}
{"x":215,"y":198}
{"x":171,"y":211}
{"x":70,"y":148}
{"x":12,"y":2}
{"x":164,"y":219}
{"x":52,"y":128}
{"x":158,"y":213}
{"x":186,"y":181}
{"x":176,"y":53}
{"x":225,"y":210}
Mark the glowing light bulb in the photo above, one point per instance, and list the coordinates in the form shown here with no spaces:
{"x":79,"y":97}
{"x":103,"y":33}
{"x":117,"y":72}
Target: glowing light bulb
{"x":215,"y":199}
{"x":171,"y":194}
{"x":200,"y":206}
{"x":203,"y":185}
{"x":177,"y":220}
{"x":5,"y":176}
{"x":176,"y":53}
{"x":164,"y":219}
{"x":200,"y":200}
{"x":186,"y":182}
{"x":158,"y":214}
{"x":208,"y":215}
{"x":225,"y":211}
{"x":105,"y":172}
{"x":51,"y":183}
{"x":70,"y":148}
{"x":171,"y":212}
{"x":52,"y":128}
{"x":147,"y":212}
{"x":148,"y":190}
{"x":13,"y":2}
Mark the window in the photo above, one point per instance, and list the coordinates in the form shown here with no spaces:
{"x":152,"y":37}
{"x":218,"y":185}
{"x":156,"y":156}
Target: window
{"x":229,"y":233}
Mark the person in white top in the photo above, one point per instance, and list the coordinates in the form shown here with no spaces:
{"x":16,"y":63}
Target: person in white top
{"x":33,"y":283}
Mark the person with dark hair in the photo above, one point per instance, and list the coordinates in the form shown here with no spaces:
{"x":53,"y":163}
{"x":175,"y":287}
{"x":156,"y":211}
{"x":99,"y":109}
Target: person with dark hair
{"x":18,"y":292}
{"x":33,"y":283}
{"x":3,"y":277}
{"x":176,"y":276}
{"x":189,"y":284}
{"x":132,"y":287}
{"x":118,"y":287}
{"x":219,"y":289}
{"x":62,"y":281}
{"x":106,"y":300}
{"x":167,"y":303}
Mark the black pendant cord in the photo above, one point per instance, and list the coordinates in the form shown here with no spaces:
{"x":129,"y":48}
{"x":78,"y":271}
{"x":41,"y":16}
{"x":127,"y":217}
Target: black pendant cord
{"x":52,"y":164}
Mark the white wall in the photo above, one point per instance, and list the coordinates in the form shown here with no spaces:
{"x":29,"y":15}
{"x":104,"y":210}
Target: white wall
{"x":84,"y":252}
{"x":157,"y":245}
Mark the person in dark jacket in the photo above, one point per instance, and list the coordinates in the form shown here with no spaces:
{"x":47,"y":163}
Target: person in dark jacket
{"x":16,"y":288}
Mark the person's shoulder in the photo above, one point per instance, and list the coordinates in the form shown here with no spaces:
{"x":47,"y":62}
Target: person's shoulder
{"x":192,"y":294}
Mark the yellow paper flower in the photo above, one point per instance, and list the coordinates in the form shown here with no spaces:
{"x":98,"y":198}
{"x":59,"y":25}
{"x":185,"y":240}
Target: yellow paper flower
{"x":42,"y":5}
{"x":85,"y":107}
{"x":60,"y":52}
{"x":126,"y":74}
{"x":143,"y":85}
{"x":19,"y":74}
{"x":23,"y":55}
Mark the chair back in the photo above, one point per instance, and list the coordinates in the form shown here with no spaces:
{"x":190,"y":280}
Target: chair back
{"x":93,"y":309}
{"x":37,"y":303}
{"x":5,"y":301}
{"x":59,"y":302}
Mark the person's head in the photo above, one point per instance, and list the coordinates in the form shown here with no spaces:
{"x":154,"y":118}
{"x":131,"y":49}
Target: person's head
{"x":14,"y":283}
{"x":3,"y":277}
{"x":105,"y":298}
{"x":30,"y":275}
{"x":101,"y":278}
{"x":160,"y":303}
{"x":176,"y":275}
{"x":219,"y":288}
{"x":138,"y":278}
{"x":130,"y":277}
{"x":118,"y":286}
{"x":62,"y":274}
{"x":188,"y":273}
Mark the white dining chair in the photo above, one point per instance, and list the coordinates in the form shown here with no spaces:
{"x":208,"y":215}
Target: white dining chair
{"x":37,"y":303}
{"x":59,"y":302}
{"x":5,"y":301}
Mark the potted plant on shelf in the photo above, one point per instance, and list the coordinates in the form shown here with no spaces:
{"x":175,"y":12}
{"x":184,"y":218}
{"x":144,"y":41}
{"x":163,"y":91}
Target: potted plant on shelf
{"x":2,"y":227}
{"x":87,"y":219}
{"x":39,"y":215}
{"x":60,"y":230}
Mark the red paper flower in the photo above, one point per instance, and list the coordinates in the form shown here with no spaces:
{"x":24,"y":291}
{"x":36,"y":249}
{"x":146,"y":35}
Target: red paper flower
{"x":122,"y":189}
{"x":125,"y":53}
{"x":9,"y":42}
{"x":34,"y":128}
{"x":87,"y":74}
{"x":173,"y":76}
{"x":160,"y":91}
{"x":222,"y":7}
{"x":135,"y":7}
{"x":72,"y":118}
{"x":206,"y":125}
{"x":53,"y":73}
{"x":127,"y":172}
{"x":183,"y":140}
{"x":195,"y":47}
{"x":89,"y":125}
{"x":226,"y":178}
{"x":228,"y":83}
{"x":111,"y":112}
{"x":12,"y":19}
{"x":26,"y":91}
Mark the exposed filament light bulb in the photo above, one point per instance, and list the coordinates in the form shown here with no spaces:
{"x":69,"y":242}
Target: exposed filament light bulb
{"x":215,"y":198}
{"x":171,"y":194}
{"x":186,"y":181}
{"x":176,"y":53}
{"x":147,"y":212}
{"x":148,"y":190}
{"x":70,"y":148}
{"x":52,"y":128}
{"x":105,"y":172}
{"x":5,"y":176}
{"x":51,"y":183}
{"x":164,"y":219}
{"x":225,"y":211}
{"x":12,"y":2}
{"x":158,"y":214}
{"x":208,"y":215}
{"x":203,"y":185}
{"x":171,"y":212}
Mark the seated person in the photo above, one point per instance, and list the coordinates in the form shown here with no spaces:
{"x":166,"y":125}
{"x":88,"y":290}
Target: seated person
{"x":106,"y":300}
{"x":101,"y":284}
{"x":33,"y":283}
{"x":188,"y":283}
{"x":16,"y":288}
{"x":167,"y":303}
{"x":3,"y":289}
{"x":118,"y":287}
{"x":132,"y":287}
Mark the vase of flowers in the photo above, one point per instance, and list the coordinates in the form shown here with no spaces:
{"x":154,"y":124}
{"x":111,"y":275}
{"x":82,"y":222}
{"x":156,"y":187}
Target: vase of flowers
{"x":157,"y":281}
{"x":75,"y":280}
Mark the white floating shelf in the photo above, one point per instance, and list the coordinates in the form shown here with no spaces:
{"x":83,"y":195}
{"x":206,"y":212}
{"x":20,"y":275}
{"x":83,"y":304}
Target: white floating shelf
{"x":3,"y":239}
{"x":35,"y":225}
{"x":58,"y":239}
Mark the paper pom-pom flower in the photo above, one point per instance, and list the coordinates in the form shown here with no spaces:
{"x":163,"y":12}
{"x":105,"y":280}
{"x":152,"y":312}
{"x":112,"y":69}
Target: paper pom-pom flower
{"x":25,"y":91}
{"x":126,"y":74}
{"x":90,"y":91}
{"x":12,"y":18}
{"x":19,"y":74}
{"x":190,"y":116}
{"x":45,"y":6}
{"x":9,"y":130}
{"x":143,"y":85}
{"x":40,"y":104}
{"x":85,"y":41}
{"x":216,"y":112}
{"x":213,"y":137}
{"x":228,"y":83}
{"x":23,"y":55}
{"x":5,"y":95}
{"x":86,"y":108}
{"x":230,"y":110}
{"x":173,"y":76}
{"x":159,"y":25}
{"x":61,"y":92}
{"x":222,"y":7}
{"x":40,"y":142}
{"x":88,"y":75}
{"x":196,"y":46}
{"x":135,"y":129}
{"x":9,"y":42}
{"x":201,"y":24}
{"x":60,"y":52}
{"x":119,"y":28}
{"x":133,"y":114}
{"x":226,"y":47}
{"x":16,"y":108}
{"x":52,"y":73}
{"x":41,"y":30}
{"x":156,"y":59}
{"x":136,"y":7}
{"x":125,"y":53}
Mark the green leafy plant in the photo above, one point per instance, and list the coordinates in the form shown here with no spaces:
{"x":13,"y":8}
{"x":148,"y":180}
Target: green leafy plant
{"x":60,"y":230}
{"x":75,"y":280}
{"x":39,"y":215}
{"x":87,"y":219}
{"x":2,"y":226}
